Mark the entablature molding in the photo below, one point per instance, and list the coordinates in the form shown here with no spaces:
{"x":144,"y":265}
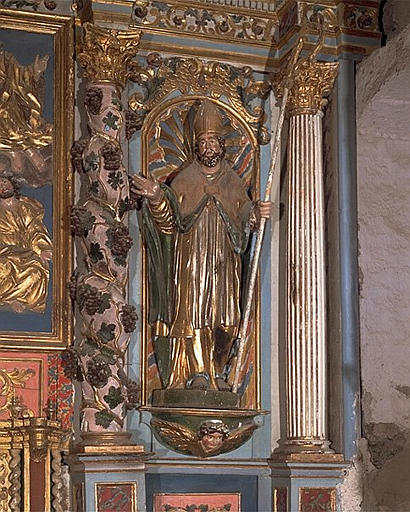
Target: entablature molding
{"x":260,"y":34}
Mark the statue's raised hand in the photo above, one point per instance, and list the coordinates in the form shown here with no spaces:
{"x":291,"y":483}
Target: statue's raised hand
{"x":146,"y":187}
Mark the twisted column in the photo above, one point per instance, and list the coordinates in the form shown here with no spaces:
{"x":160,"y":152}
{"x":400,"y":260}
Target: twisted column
{"x":307,"y":429}
{"x":15,"y":480}
{"x":99,"y":221}
{"x":57,"y":485}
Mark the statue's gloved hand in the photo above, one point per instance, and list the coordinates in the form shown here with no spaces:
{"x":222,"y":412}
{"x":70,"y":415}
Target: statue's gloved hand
{"x":146,"y":187}
{"x":265,"y":209}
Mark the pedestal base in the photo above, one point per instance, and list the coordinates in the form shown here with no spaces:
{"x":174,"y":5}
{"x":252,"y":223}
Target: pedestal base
{"x":108,"y":477}
{"x":306,"y":482}
{"x":196,"y":398}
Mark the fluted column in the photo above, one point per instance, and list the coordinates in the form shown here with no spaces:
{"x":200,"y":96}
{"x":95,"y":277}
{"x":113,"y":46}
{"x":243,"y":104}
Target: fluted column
{"x":307,"y":429}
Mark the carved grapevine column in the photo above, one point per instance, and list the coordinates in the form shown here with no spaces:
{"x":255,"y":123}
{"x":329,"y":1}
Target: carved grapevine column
{"x":306,"y":298}
{"x":100,"y":223}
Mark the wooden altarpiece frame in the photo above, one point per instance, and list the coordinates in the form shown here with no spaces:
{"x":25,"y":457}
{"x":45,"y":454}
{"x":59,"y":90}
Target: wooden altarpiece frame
{"x":53,"y":35}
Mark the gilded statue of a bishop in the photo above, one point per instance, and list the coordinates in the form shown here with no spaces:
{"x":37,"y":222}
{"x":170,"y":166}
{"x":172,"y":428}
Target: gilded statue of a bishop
{"x":197,"y":230}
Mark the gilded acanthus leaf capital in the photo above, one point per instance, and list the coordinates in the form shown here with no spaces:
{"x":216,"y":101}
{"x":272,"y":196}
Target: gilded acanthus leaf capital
{"x":310,"y":84}
{"x":106,"y":55}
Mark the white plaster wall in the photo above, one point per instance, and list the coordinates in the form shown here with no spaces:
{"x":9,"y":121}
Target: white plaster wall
{"x":383,"y":140}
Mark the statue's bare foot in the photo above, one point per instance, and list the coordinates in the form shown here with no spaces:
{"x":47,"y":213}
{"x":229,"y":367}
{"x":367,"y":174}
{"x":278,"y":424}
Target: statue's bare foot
{"x":222,"y":384}
{"x":199,"y":382}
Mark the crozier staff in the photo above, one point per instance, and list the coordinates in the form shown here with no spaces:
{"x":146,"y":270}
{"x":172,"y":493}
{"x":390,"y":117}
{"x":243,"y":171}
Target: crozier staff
{"x":209,"y":216}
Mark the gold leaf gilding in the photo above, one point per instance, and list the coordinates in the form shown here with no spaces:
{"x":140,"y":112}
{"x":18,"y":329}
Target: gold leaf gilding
{"x":106,"y":54}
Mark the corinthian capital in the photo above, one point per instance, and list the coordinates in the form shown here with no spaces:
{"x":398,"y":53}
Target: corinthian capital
{"x":311,"y":82}
{"x":106,"y":55}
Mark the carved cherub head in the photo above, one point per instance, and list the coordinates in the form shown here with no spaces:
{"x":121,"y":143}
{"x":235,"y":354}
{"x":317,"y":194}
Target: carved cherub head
{"x":212,"y":434}
{"x":9,"y":185}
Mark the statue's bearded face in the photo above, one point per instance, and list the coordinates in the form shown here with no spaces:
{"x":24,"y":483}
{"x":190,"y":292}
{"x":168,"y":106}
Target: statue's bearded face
{"x":6,"y":188}
{"x":210,"y":150}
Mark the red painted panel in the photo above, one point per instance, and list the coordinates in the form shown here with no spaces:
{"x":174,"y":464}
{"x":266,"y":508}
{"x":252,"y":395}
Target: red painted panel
{"x":317,"y":499}
{"x":197,"y":502}
{"x":117,"y":497}
{"x":37,"y":485}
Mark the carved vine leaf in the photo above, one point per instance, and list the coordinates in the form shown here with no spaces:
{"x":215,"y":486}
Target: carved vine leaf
{"x":116,"y":100}
{"x":115,"y":179}
{"x":94,"y":188}
{"x":157,"y":78}
{"x":108,"y":355}
{"x":95,"y":253}
{"x":106,"y":332}
{"x":110,"y":121}
{"x":114,"y":397}
{"x":104,"y":418}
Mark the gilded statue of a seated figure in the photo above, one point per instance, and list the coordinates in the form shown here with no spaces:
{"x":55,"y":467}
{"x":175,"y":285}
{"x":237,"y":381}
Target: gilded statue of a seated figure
{"x":25,"y":250}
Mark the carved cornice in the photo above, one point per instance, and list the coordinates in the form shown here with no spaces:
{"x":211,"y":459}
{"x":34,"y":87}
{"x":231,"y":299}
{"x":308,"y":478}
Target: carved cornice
{"x":268,"y":25}
{"x":106,"y":54}
{"x":160,"y":77}
{"x":356,"y":17}
{"x":244,"y":4}
{"x":214,"y":21}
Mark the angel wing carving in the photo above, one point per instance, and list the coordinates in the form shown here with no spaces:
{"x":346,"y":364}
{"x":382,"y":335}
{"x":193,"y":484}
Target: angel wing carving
{"x":235,"y":439}
{"x":175,"y":435}
{"x":186,"y":441}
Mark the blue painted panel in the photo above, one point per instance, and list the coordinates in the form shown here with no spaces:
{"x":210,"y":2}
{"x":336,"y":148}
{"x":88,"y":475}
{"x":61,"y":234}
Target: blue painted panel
{"x":25,"y":53}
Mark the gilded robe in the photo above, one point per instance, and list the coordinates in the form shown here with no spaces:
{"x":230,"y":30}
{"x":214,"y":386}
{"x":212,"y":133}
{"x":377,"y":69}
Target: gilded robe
{"x":207,"y":219}
{"x":23,"y":237}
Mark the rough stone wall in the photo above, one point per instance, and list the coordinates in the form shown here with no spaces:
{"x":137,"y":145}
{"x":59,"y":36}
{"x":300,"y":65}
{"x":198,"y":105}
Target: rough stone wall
{"x":383,"y":119}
